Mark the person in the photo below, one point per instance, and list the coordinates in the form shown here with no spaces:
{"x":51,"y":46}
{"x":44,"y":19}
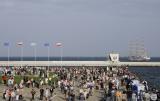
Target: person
{"x":129,"y":94}
{"x":47,"y":93}
{"x":101,"y":84}
{"x":33,"y":92}
{"x":153,"y":96}
{"x":9,"y":94}
{"x":69,"y":97}
{"x":146,"y":85}
{"x":146,"y":96}
{"x":134,"y":96}
{"x":65,"y":91}
{"x":41,"y":93}
{"x":59,"y":83}
{"x":17,"y":97}
{"x":124,"y":96}
{"x":118,"y":95}
{"x":4,"y":78}
{"x":140,"y":96}
{"x":158,"y":94}
{"x":51,"y":91}
{"x":112,"y":95}
{"x":4,"y":93}
{"x":62,"y":86}
{"x":73,"y":96}
{"x":21,"y":92}
{"x":81,"y":96}
{"x":13,"y":95}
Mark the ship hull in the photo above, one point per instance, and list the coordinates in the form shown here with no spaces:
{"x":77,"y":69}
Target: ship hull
{"x":139,"y":58}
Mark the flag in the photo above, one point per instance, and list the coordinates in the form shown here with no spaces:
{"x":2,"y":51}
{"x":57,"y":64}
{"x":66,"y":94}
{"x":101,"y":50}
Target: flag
{"x":6,"y":44}
{"x":20,"y":43}
{"x":46,"y":44}
{"x":33,"y":44}
{"x":58,"y":44}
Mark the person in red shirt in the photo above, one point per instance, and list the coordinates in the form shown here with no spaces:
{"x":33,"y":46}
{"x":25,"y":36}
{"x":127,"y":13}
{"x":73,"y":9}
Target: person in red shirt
{"x":4,"y":78}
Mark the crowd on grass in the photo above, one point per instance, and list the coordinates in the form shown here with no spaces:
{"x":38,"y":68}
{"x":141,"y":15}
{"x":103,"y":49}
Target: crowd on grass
{"x":117,"y":84}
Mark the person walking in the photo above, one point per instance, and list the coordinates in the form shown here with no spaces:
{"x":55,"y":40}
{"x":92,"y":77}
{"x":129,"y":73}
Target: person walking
{"x":13,"y":95}
{"x":41,"y":93}
{"x":33,"y":92}
{"x":51,"y":90}
{"x":47,"y":94}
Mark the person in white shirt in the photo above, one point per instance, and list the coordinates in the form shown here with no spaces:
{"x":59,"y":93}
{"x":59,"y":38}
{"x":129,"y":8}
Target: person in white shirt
{"x":47,"y":93}
{"x":59,"y":83}
{"x":153,"y":97}
{"x":46,"y":81}
{"x":41,"y":82}
{"x":134,"y":97}
{"x":147,"y":96}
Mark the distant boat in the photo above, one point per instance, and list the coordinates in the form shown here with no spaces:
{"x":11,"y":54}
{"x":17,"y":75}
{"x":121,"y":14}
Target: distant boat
{"x":137,"y":52}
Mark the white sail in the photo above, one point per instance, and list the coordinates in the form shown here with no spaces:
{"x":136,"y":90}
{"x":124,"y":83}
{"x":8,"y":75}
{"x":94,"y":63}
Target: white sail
{"x":137,"y":51}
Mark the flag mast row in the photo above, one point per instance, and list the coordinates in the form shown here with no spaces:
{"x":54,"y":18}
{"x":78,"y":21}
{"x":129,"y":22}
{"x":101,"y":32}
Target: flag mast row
{"x":58,"y":44}
{"x":33,"y":44}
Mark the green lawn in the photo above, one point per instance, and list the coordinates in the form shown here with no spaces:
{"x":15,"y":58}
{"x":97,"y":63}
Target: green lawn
{"x":18,"y":78}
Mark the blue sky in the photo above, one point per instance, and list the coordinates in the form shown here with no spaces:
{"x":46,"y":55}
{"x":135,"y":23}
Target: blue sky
{"x":85,"y":27}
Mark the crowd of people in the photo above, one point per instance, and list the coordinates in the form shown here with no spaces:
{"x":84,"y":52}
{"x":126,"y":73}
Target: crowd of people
{"x":76,"y":83}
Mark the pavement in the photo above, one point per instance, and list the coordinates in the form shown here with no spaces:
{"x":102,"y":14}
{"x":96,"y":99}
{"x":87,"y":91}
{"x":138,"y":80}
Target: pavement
{"x":57,"y":96}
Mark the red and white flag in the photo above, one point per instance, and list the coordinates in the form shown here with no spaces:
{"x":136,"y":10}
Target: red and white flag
{"x":58,"y":44}
{"x":20,"y":43}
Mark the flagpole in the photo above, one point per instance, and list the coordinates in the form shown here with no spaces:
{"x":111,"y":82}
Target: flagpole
{"x":21,"y":55}
{"x":61,"y":49}
{"x":8,"y":55}
{"x":48,"y":56}
{"x":35,"y":54}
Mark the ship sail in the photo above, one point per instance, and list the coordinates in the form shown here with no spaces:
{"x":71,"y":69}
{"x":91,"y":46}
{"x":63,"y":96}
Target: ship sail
{"x":137,"y":51}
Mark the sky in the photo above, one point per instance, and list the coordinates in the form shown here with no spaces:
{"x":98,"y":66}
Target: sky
{"x":84,"y":27}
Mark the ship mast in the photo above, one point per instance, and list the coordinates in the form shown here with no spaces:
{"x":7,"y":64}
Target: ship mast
{"x":137,"y":50}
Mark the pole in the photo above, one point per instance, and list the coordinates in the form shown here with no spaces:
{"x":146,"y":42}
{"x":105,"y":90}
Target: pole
{"x":48,"y":56}
{"x":8,"y":55}
{"x":61,"y":52}
{"x":35,"y":54}
{"x":21,"y":55}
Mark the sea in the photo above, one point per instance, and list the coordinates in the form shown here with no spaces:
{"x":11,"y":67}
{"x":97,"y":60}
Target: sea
{"x":150,"y":74}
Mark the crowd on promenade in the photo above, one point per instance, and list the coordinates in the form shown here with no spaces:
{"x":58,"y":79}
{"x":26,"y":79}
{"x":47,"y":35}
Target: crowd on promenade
{"x":116,"y":84}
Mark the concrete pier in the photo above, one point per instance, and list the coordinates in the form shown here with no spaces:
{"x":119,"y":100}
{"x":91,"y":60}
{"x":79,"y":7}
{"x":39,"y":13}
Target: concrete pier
{"x":77,"y":63}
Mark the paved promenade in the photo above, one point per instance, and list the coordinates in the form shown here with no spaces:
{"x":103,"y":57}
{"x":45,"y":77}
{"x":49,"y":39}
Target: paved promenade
{"x":57,"y":96}
{"x":118,"y":83}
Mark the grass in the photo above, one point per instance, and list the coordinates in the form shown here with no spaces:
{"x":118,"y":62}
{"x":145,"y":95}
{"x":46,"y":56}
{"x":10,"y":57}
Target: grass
{"x":18,"y":78}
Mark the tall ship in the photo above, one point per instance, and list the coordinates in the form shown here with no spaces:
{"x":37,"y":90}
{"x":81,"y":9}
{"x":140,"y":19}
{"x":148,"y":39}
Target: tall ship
{"x":137,"y":51}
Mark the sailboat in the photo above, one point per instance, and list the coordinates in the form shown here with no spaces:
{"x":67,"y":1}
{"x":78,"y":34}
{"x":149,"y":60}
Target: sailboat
{"x":137,"y":52}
